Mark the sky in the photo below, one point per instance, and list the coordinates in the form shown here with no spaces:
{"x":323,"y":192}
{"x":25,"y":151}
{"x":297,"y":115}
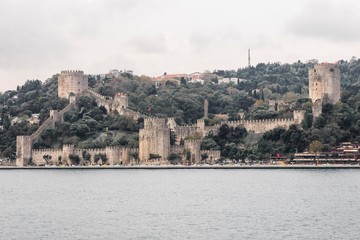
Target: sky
{"x":40,"y":38}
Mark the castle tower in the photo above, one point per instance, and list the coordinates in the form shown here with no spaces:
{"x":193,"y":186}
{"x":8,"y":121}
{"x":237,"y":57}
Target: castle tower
{"x":66,"y":151}
{"x":298,"y":116}
{"x":200,"y":124}
{"x":206,"y":109}
{"x":154,"y":139}
{"x":121,"y":102}
{"x":71,"y":82}
{"x":23,"y":150}
{"x":194,"y":147}
{"x":324,"y":86}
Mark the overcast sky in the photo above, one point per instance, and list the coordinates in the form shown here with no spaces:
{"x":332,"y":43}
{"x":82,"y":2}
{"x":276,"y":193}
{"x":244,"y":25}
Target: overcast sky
{"x":42,"y":37}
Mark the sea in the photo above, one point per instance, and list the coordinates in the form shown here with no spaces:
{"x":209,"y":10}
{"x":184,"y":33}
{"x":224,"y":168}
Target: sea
{"x":180,"y":204}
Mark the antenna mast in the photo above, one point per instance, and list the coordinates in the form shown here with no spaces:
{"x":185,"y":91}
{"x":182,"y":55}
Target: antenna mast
{"x":249,"y":62}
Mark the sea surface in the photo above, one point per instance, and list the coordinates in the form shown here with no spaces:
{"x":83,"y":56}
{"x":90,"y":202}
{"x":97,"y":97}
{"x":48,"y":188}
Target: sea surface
{"x":179,"y":204}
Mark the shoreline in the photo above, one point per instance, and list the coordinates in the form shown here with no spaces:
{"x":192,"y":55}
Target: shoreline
{"x":179,"y":167}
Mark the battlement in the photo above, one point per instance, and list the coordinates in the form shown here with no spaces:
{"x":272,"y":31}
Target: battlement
{"x":326,"y":64}
{"x":187,"y":126}
{"x":191,"y":141}
{"x":47,"y":150}
{"x":259,"y":121}
{"x":68,"y":146}
{"x":152,"y":122}
{"x":91,"y":149}
{"x":121,"y":95}
{"x":72,"y":72}
{"x":98,"y":95}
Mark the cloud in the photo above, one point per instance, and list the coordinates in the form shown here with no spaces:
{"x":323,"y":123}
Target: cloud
{"x":145,"y":44}
{"x":327,"y":20}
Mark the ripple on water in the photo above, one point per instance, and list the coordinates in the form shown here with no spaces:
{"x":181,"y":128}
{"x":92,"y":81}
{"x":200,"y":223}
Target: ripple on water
{"x":180,"y":204}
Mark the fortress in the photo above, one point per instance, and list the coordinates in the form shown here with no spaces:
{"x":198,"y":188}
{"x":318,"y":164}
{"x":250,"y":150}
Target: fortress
{"x":154,"y":138}
{"x":324,"y":86}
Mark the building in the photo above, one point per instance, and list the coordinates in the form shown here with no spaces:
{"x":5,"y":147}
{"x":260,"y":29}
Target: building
{"x":34,"y":119}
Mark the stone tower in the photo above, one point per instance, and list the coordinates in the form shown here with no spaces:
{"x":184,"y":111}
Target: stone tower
{"x":121,"y":101}
{"x":23,"y":150}
{"x":154,"y":139}
{"x":206,"y":109}
{"x":66,"y":151}
{"x":194,"y":147}
{"x":324,"y":86}
{"x":72,"y":82}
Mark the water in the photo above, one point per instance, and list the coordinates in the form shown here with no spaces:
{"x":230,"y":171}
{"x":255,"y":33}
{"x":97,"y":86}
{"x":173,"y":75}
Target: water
{"x":179,"y":204}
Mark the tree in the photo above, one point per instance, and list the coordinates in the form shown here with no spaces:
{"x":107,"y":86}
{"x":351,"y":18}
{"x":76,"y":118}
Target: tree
{"x":75,"y":159}
{"x":153,"y":156}
{"x":100,"y":157}
{"x":174,"y":158}
{"x":204,"y":156}
{"x":315,"y":147}
{"x":135,"y":155}
{"x":86,"y":156}
{"x":47,"y":158}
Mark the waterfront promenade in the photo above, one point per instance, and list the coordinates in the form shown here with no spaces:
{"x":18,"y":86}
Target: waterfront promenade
{"x":165,"y":167}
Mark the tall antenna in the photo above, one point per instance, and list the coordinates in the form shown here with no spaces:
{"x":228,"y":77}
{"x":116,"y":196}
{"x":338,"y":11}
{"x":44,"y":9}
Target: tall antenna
{"x":249,"y":62}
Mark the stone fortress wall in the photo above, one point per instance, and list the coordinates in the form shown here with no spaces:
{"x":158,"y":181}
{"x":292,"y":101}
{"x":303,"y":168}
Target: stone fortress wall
{"x":119,"y":104}
{"x":24,"y":143}
{"x":115,"y":155}
{"x":154,"y":138}
{"x":257,"y":126}
{"x":324,"y":86}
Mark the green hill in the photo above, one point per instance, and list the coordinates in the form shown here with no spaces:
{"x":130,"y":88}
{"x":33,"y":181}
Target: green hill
{"x":91,"y":127}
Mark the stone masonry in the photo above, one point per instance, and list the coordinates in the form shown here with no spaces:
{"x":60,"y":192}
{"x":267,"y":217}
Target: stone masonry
{"x":72,"y":82}
{"x":154,"y":138}
{"x":324,"y":86}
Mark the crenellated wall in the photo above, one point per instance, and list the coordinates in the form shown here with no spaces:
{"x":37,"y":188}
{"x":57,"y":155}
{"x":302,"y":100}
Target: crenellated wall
{"x":115,"y":155}
{"x":119,"y":105}
{"x":24,"y":143}
{"x":182,"y":132}
{"x":38,"y":156}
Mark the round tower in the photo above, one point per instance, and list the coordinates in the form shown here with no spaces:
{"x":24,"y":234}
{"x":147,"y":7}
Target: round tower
{"x":71,"y":82}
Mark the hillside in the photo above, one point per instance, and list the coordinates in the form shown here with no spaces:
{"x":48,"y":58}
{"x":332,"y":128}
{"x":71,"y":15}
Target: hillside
{"x":91,"y":127}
